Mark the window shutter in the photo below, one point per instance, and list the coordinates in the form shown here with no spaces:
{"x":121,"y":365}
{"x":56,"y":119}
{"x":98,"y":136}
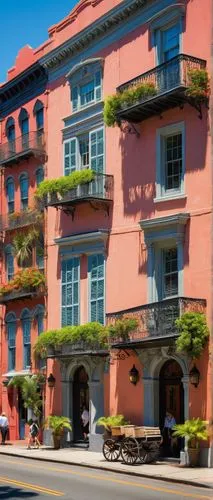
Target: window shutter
{"x":11,"y":329}
{"x":97,"y":288}
{"x":70,"y":278}
{"x":70,"y":156}
{"x":98,"y":89}
{"x":26,"y":327}
{"x":9,"y":265}
{"x":97,"y":150}
{"x":74,"y":98}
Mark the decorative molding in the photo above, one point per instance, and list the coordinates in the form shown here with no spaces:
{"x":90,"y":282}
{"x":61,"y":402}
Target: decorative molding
{"x":72,"y":16}
{"x":83,"y":243}
{"x":96,"y":30}
{"x":168,"y":220}
{"x":83,"y":120}
{"x":86,"y":62}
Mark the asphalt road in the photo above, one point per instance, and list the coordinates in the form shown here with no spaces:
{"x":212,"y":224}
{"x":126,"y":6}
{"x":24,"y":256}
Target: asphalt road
{"x":30,"y":479}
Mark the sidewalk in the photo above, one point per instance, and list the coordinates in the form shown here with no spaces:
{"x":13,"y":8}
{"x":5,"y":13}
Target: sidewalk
{"x":71,"y":456}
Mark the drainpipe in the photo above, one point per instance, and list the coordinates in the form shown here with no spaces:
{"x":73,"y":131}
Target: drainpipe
{"x":210,"y":457}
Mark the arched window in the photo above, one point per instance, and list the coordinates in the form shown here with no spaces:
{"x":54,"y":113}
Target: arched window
{"x":10,"y":133}
{"x":10,"y":191}
{"x":9,"y":262}
{"x":11,"y":336}
{"x":24,"y":126}
{"x":39,"y":175}
{"x":24,"y":187}
{"x":39,"y":317}
{"x":39,"y":115}
{"x":26,"y":330}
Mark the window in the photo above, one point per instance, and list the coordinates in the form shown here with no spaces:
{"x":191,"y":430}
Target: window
{"x":24,"y":186}
{"x":97,"y":288}
{"x":10,"y":191}
{"x":40,"y":252}
{"x":38,"y":112}
{"x":87,"y":93}
{"x":170,"y":42}
{"x":86,"y":151}
{"x":24,"y":126}
{"x":39,"y":317}
{"x":70,"y":291}
{"x":11,"y":336}
{"x":10,"y":133}
{"x":9,"y":262}
{"x":170,"y":272}
{"x":26,"y":330}
{"x":170,"y":161}
{"x":39,"y":175}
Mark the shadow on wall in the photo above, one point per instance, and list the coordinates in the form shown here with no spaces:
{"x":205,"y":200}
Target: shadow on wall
{"x":129,"y":397}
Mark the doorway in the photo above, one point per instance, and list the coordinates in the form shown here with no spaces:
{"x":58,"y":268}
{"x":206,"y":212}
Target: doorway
{"x":80,"y":399}
{"x":171,"y":397}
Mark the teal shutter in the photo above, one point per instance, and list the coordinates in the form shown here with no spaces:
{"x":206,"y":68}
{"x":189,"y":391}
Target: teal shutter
{"x":74,"y":98}
{"x":97,"y":288}
{"x":98,"y":92}
{"x":97,"y":150}
{"x":70,"y":279}
{"x":70,"y":156}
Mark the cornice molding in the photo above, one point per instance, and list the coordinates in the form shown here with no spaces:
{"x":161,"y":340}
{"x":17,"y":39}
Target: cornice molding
{"x":93,"y":32}
{"x":86,"y":62}
{"x":72,"y":16}
{"x":159,"y":222}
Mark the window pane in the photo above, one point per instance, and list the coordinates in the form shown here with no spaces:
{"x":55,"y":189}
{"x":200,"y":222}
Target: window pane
{"x":70,"y":292}
{"x":39,"y":175}
{"x":97,"y":288}
{"x":40,"y":119}
{"x":87,"y":93}
{"x":170,"y":278}
{"x":173,"y":162}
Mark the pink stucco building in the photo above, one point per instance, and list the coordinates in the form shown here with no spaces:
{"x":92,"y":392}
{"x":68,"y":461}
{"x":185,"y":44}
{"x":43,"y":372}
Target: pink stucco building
{"x":137,"y":241}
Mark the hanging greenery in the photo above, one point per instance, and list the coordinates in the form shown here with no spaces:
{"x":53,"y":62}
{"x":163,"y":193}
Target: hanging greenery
{"x":198,"y":86}
{"x":122,"y":328}
{"x":113,"y":104}
{"x":64,"y":184}
{"x":25,"y":278}
{"x":194,"y":334}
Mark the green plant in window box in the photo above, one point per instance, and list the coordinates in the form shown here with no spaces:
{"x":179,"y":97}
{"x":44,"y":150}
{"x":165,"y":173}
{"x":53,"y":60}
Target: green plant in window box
{"x":24,"y":279}
{"x":198,"y":86}
{"x":194,"y":334}
{"x":64,"y":184}
{"x":122,"y":328}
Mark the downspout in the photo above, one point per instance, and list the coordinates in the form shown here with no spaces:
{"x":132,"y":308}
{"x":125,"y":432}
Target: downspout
{"x":210,"y":457}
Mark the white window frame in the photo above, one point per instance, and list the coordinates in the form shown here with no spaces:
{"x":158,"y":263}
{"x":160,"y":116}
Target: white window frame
{"x":78,"y":83}
{"x":162,"y":133}
{"x":77,"y":139}
{"x":159,"y":34}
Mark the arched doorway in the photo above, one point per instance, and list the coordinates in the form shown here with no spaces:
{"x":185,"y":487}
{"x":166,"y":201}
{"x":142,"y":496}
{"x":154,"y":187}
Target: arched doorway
{"x":80,"y":399}
{"x":171,"y":393}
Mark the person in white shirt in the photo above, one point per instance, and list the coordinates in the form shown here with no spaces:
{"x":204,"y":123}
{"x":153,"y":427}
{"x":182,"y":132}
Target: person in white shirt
{"x":85,"y":422}
{"x":168,"y":440}
{"x":4,"y":426}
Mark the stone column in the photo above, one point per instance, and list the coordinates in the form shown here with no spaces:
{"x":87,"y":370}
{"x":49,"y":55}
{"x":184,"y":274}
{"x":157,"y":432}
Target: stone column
{"x":151,"y":401}
{"x":184,"y":454}
{"x":96,"y":410}
{"x":150,"y":272}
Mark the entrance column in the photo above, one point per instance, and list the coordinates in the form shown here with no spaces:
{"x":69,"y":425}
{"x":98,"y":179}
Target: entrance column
{"x":96,"y":410}
{"x":149,"y":400}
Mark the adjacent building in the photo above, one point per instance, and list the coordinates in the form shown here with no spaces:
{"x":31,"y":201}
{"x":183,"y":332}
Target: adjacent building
{"x":134,"y":242}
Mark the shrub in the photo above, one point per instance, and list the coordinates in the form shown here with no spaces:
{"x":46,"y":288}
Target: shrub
{"x":26,"y":278}
{"x":122,"y":328}
{"x":194,"y":430}
{"x":198,"y":87}
{"x":112,"y":421}
{"x":113,"y":104}
{"x":194,"y":334}
{"x":64,"y":184}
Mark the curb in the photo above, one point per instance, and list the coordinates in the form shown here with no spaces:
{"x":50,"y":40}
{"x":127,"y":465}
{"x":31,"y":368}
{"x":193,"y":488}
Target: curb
{"x":196,"y":484}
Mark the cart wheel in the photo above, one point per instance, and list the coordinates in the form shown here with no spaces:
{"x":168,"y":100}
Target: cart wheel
{"x":111,"y":450}
{"x":153,"y":453}
{"x":129,"y":450}
{"x":143,"y":455}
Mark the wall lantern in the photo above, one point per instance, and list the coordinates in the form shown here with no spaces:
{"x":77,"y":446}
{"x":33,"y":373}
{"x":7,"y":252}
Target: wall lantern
{"x":194,"y":376}
{"x":133,"y":375}
{"x":5,"y":382}
{"x":51,"y":380}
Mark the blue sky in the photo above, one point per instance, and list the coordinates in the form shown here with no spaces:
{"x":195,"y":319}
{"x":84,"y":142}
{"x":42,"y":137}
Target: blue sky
{"x":23,"y":22}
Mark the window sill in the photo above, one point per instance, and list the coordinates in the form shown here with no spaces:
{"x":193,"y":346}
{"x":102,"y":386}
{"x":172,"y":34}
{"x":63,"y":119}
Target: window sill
{"x":177,"y":196}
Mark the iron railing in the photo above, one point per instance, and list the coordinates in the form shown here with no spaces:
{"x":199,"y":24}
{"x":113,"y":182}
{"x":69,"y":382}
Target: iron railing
{"x":101,"y":188}
{"x":28,"y":144}
{"x":166,"y":77}
{"x":80,"y":347}
{"x":22,"y":219}
{"x":156,"y":320}
{"x":21,"y":294}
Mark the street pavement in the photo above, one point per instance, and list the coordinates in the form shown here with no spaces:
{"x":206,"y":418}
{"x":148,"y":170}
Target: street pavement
{"x":22,"y":478}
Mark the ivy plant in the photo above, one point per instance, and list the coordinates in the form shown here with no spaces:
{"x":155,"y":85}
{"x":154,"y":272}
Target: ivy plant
{"x":198,"y":86}
{"x":194,"y":334}
{"x":115,"y":103}
{"x":64,"y":184}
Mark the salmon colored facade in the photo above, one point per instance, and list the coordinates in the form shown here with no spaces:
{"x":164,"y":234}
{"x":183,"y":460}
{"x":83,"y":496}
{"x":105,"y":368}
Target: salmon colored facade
{"x":137,"y":242}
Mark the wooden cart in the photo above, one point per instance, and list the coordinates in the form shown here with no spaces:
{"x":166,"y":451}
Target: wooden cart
{"x":133,"y":444}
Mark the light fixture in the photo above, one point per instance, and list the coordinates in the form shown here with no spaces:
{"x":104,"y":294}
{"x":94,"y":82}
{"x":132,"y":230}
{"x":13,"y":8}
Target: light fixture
{"x":5,"y":382}
{"x":194,"y":376}
{"x":134,"y":375}
{"x":51,"y":380}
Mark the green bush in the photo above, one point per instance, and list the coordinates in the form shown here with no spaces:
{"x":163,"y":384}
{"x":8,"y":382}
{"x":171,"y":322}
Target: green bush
{"x":64,"y":184}
{"x":113,"y":104}
{"x":112,"y":421}
{"x":198,"y":87}
{"x":122,"y":328}
{"x":194,"y":334}
{"x":194,"y":430}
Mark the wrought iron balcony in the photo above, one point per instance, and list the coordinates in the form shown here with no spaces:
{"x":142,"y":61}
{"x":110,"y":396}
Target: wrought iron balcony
{"x":10,"y":222}
{"x":79,"y":348}
{"x":98,"y":192}
{"x":155,"y":321}
{"x":23,"y":147}
{"x":170,"y":80}
{"x":22,"y":294}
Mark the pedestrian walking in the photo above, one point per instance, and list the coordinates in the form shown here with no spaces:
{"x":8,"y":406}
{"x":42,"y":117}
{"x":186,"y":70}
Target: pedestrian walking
{"x":33,"y":435}
{"x":4,"y":427}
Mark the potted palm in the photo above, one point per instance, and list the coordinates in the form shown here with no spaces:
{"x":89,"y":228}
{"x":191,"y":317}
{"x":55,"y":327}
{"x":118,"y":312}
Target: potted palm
{"x":194,"y":431}
{"x":57,"y":425}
